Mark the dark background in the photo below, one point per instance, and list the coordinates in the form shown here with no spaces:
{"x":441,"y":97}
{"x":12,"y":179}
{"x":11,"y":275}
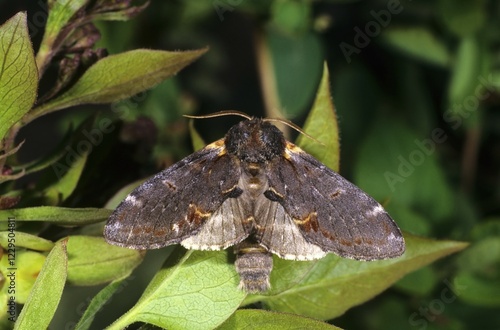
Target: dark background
{"x":410,"y":75}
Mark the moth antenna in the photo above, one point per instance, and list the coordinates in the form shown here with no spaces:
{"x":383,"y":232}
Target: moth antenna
{"x":293,"y":126}
{"x":221,"y":113}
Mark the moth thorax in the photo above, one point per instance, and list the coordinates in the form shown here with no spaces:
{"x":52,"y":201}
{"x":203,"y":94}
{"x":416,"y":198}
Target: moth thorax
{"x":254,"y":264}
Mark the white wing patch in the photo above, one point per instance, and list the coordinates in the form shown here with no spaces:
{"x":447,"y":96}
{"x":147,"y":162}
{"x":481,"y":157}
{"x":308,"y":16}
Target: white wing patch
{"x":221,"y":230}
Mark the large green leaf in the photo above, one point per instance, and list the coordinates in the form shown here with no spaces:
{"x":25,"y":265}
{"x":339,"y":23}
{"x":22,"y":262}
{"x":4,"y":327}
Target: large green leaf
{"x":193,"y":290}
{"x":46,"y":293}
{"x":120,"y":76}
{"x":18,"y":72}
{"x":250,"y":319}
{"x":327,"y":288}
{"x":322,"y":125}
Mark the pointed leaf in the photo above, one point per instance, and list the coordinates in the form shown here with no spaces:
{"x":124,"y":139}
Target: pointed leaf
{"x":92,"y":261}
{"x":18,"y":72}
{"x":250,"y":319}
{"x":194,"y":290}
{"x":327,"y":288}
{"x":46,"y":293}
{"x":118,"y":77}
{"x":322,"y":125}
{"x":58,"y":215}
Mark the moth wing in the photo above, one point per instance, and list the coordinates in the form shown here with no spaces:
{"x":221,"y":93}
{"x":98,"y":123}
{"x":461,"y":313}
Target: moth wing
{"x":330,"y":212}
{"x":179,"y":202}
{"x":277,"y":231}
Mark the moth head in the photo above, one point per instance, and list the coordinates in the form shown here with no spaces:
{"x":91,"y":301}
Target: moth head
{"x":255,"y":141}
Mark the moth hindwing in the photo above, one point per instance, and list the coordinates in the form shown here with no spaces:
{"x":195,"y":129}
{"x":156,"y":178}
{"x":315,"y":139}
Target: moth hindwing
{"x":262,"y":194}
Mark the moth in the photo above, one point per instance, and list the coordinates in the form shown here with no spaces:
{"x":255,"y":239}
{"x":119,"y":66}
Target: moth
{"x":261,"y":194}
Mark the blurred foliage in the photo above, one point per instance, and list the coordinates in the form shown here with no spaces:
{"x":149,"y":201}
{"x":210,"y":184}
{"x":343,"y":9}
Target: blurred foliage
{"x":416,"y":88}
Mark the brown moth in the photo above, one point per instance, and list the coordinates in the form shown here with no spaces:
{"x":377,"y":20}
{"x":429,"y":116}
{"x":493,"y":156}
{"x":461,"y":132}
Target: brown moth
{"x":262,"y":194}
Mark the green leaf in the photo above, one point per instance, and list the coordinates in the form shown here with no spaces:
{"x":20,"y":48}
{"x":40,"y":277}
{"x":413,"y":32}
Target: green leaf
{"x":92,"y":261}
{"x":322,"y":125}
{"x":46,"y":293}
{"x":327,"y":288}
{"x":193,"y":290}
{"x":99,"y":301}
{"x":120,"y":76}
{"x":250,"y":319}
{"x":18,"y":72}
{"x":25,"y":240}
{"x":418,"y":42}
{"x":57,"y":215}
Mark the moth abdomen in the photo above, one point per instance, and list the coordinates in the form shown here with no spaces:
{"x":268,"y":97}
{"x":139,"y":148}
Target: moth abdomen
{"x":254,"y":264}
